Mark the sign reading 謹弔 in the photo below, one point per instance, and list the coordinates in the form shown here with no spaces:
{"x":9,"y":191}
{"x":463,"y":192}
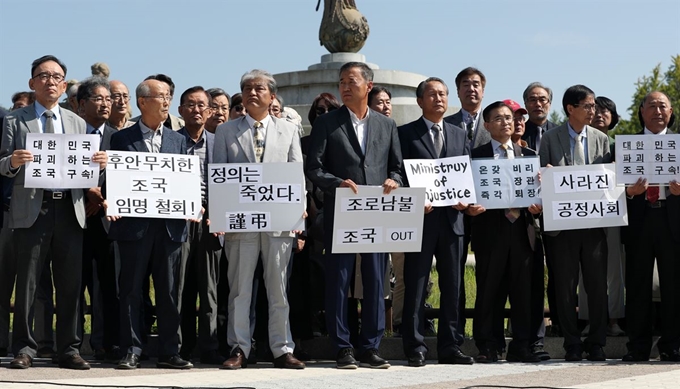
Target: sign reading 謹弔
{"x":447,"y":181}
{"x":373,"y":222}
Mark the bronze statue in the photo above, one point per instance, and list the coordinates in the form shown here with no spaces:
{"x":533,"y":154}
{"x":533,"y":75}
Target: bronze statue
{"x":343,"y":28}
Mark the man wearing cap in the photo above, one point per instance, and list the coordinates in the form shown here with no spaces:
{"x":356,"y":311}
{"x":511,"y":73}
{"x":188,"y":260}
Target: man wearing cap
{"x":503,"y":241}
{"x":520,"y":122}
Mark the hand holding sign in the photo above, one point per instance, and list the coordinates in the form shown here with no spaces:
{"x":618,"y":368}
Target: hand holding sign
{"x":350,"y":184}
{"x":20,"y":158}
{"x":638,"y":188}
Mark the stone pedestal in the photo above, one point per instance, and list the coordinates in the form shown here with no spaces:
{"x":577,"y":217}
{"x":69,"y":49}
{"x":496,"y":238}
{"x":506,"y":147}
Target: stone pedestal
{"x":299,"y":88}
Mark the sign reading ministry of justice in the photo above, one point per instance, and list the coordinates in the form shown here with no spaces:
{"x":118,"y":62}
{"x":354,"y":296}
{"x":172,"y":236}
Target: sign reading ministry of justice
{"x":447,"y":181}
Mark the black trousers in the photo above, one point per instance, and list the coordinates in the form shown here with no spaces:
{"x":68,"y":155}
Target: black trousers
{"x":653,"y":241}
{"x":538,"y":294}
{"x":158,"y":250}
{"x":56,"y":235}
{"x":584,"y":249}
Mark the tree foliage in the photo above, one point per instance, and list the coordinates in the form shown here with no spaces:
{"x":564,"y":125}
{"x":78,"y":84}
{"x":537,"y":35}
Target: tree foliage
{"x":667,"y":82}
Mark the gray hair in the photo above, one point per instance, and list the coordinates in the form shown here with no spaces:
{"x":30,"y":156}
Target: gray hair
{"x":421,"y":87}
{"x":214,"y":92}
{"x":533,"y":85}
{"x":72,"y":90}
{"x":142,"y":90}
{"x":87,"y":87}
{"x":280,"y":100}
{"x":259,"y":74}
{"x":366,"y":72}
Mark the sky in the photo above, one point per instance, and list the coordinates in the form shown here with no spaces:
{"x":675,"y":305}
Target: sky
{"x":604,"y":44}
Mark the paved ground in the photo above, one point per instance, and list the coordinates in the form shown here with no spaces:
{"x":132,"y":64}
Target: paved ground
{"x":554,"y":374}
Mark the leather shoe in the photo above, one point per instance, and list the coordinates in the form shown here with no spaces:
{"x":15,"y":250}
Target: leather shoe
{"x":130,"y":362}
{"x":457,"y":358}
{"x":416,"y":359}
{"x":538,"y":350}
{"x":212,"y":358}
{"x":486,"y":356}
{"x":635,"y":356}
{"x":574,"y":354}
{"x":288,"y":361}
{"x":74,"y":362}
{"x":672,"y":356}
{"x":372,"y":359}
{"x":22,"y":361}
{"x":345,"y":359}
{"x":236,"y":361}
{"x":596,"y":354}
{"x":522,"y":355}
{"x":173,"y":362}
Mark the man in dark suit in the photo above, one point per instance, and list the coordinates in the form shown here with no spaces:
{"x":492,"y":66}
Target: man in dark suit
{"x":99,"y":268}
{"x":430,"y":137}
{"x":653,"y":232}
{"x":155,"y":242}
{"x":576,"y":143}
{"x":538,"y":98}
{"x":46,"y":223}
{"x":199,"y":268}
{"x":503,"y":241}
{"x":354,"y":146}
{"x":7,"y":265}
{"x":470,"y":84}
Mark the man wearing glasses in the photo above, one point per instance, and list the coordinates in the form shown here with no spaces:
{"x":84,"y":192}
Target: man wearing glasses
{"x":219,"y":112}
{"x":172,"y":122}
{"x":146,"y":242}
{"x":120,"y":108}
{"x":46,"y":223}
{"x":571,"y":144}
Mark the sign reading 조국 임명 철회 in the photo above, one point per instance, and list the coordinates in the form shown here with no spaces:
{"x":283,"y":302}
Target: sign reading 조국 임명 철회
{"x":654,"y":157}
{"x":584,"y":196}
{"x":447,"y":181}
{"x":507,"y":183}
{"x":62,"y":161}
{"x":151,"y":185}
{"x":373,"y":222}
{"x":256,"y":197}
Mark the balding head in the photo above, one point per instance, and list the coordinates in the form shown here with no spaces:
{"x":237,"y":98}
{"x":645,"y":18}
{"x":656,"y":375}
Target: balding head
{"x":153,"y":100}
{"x":656,"y":111}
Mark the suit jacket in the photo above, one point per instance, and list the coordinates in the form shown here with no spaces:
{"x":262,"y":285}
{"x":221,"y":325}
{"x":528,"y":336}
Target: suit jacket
{"x":484,"y":225}
{"x":234,"y":144}
{"x":481,"y":135}
{"x":26,"y":203}
{"x":209,"y":143}
{"x":556,"y":150}
{"x":416,"y":143}
{"x":335,"y":154}
{"x":637,"y":208}
{"x":134,"y":228}
{"x":104,"y":144}
{"x":531,"y":133}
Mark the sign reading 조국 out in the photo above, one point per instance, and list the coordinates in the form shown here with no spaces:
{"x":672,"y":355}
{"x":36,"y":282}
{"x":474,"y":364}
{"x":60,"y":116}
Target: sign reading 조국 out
{"x":165,"y":186}
{"x":506,"y":183}
{"x":447,"y":181}
{"x":256,"y":197}
{"x":654,"y":157}
{"x":584,"y":196}
{"x":62,"y":161}
{"x":373,"y":222}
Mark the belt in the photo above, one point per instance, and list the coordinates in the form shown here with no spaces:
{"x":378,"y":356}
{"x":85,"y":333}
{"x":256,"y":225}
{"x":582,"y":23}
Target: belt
{"x":54,"y":195}
{"x":656,"y":204}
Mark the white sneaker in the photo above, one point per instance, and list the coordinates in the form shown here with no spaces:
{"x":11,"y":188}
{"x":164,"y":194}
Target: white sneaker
{"x":586,"y":330}
{"x":615,"y":330}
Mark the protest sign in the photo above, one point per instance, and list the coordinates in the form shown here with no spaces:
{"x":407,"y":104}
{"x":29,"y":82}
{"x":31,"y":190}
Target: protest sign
{"x":447,"y":181}
{"x":506,"y":183}
{"x":654,"y":157}
{"x":62,"y":161}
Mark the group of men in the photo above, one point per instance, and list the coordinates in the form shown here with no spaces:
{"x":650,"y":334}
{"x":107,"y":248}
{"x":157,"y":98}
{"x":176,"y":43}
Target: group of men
{"x":348,"y":147}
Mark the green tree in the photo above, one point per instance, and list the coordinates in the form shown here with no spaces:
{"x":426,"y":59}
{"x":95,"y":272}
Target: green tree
{"x":668,"y":83}
{"x":557,"y":118}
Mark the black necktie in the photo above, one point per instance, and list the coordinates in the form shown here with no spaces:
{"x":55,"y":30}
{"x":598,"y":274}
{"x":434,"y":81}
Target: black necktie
{"x":49,"y":122}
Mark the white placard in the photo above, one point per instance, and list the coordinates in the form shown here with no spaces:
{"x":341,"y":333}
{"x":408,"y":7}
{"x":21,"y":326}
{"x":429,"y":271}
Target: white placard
{"x":62,"y":161}
{"x":447,"y":181}
{"x":259,"y":197}
{"x":507,"y":183}
{"x":654,"y":157}
{"x":372,"y":222}
{"x":592,"y":205}
{"x":165,"y":186}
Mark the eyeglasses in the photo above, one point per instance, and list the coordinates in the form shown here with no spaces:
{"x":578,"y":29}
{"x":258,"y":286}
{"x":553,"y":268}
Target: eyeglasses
{"x":100,"y":100}
{"x":118,"y":96}
{"x":159,"y":97}
{"x":321,"y":110}
{"x":501,"y":119}
{"x":534,"y":100}
{"x":191,"y":106}
{"x":237,"y":108}
{"x":218,"y":108}
{"x":587,"y":107}
{"x":46,"y":76}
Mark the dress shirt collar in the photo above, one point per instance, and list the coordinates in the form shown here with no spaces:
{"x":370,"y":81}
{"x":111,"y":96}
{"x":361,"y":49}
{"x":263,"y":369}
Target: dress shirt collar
{"x":251,"y":121}
{"x":355,"y":119}
{"x":91,"y":128}
{"x":664,"y":132}
{"x":40,"y":110}
{"x":429,"y":124}
{"x":468,"y":117}
{"x":573,"y":134}
{"x":145,"y":129}
{"x":496,"y":146}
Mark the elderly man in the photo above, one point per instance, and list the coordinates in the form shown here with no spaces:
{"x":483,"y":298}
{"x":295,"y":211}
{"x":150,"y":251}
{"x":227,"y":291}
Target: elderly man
{"x":653,"y":233}
{"x":254,"y":138}
{"x":120,"y":109}
{"x":46,"y":223}
{"x":172,"y":122}
{"x":146,"y":242}
{"x":339,"y":158}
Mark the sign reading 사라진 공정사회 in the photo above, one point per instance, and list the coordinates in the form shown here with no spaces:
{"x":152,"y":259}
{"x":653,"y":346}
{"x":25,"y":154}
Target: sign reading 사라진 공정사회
{"x":447,"y":181}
